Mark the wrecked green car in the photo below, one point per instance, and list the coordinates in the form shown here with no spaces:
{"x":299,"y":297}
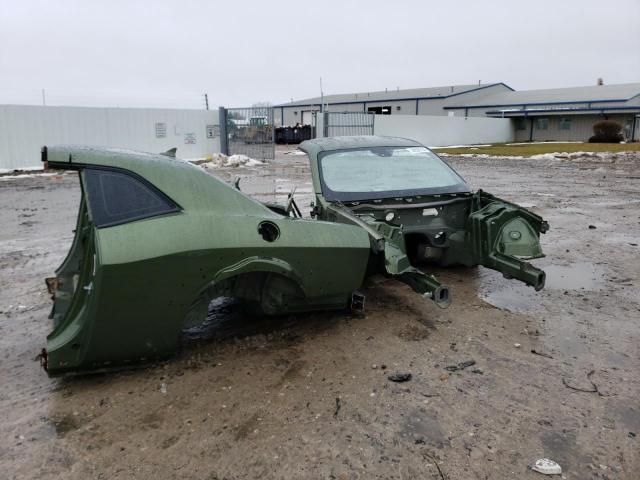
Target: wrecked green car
{"x":417,"y":209}
{"x":157,"y":239}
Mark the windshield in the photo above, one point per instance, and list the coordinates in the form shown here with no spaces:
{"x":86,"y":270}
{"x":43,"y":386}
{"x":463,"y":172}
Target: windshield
{"x":386,"y":172}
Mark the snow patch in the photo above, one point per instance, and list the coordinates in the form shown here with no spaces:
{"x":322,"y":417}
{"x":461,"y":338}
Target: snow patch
{"x":477,"y":155}
{"x":542,"y":143}
{"x":38,"y":168}
{"x":28,"y":175}
{"x":601,"y":157}
{"x":220,"y":160}
{"x":462,"y":146}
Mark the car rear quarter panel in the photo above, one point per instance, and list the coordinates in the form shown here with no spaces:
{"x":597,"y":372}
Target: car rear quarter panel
{"x":152,"y":270}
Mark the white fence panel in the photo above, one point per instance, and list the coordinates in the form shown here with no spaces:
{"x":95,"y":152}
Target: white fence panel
{"x":24,"y":129}
{"x":441,"y":131}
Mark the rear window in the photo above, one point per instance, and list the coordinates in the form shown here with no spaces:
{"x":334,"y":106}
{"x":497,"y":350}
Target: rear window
{"x":117,"y":197}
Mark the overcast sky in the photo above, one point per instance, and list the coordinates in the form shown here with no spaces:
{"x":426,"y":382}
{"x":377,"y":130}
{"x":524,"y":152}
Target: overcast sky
{"x":168,"y":53}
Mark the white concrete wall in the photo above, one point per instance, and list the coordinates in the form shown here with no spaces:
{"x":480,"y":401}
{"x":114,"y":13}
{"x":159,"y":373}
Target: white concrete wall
{"x":439,"y":131}
{"x":24,"y":129}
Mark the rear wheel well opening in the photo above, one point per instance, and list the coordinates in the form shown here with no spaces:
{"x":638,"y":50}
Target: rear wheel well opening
{"x":238,"y":306}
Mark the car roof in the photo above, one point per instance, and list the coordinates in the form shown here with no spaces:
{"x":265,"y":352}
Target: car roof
{"x":191,"y":187}
{"x":317,"y":145}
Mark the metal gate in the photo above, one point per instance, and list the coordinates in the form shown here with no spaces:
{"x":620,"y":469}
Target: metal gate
{"x":247,"y":131}
{"x":335,"y":124}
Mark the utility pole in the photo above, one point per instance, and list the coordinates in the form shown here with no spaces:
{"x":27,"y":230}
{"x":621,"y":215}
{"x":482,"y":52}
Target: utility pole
{"x":206,"y":101}
{"x":44,"y":102}
{"x":321,"y":97}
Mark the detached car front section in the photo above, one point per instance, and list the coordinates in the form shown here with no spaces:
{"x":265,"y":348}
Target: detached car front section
{"x":418,"y":210}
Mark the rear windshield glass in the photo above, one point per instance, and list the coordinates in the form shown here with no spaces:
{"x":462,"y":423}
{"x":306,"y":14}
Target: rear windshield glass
{"x":386,"y":171}
{"x":116,"y":197}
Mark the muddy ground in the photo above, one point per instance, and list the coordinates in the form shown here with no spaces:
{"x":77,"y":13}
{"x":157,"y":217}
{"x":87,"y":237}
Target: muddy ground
{"x":308,"y":396}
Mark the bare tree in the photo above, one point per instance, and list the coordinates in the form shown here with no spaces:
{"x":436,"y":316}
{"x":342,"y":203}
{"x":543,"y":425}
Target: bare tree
{"x":262,"y":108}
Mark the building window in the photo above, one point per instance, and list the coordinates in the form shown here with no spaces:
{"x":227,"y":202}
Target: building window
{"x":213,"y":131}
{"x":542,"y":123}
{"x":521,"y":123}
{"x":380,"y":110}
{"x":161,"y":130}
{"x":565,"y":123}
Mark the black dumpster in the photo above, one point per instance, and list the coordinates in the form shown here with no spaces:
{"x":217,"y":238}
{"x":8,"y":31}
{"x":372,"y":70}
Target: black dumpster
{"x":293,"y":135}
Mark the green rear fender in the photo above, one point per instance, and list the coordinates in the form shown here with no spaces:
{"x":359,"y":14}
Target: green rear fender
{"x":256,"y":264}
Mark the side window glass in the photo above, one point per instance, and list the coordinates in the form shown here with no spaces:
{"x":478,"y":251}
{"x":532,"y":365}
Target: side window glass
{"x":116,"y":198}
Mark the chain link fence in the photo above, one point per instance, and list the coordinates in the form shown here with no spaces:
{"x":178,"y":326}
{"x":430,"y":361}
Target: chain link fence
{"x":247,"y":131}
{"x":337,"y":124}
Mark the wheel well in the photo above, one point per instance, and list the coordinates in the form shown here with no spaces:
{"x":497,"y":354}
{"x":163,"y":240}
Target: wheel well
{"x":261,"y":293}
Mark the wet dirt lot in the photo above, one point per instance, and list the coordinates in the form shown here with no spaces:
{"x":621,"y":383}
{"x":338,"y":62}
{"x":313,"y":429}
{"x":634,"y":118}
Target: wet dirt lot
{"x":307,"y":396}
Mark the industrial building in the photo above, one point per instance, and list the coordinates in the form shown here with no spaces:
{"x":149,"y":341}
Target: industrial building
{"x":559,"y":114}
{"x":416,"y":101}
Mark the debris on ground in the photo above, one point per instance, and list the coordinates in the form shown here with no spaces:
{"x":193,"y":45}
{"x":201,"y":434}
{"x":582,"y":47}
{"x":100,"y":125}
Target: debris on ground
{"x":399,"y":377}
{"x":338,"y":406}
{"x":593,"y":389}
{"x":517,"y":345}
{"x":460,"y":366}
{"x":431,"y":395}
{"x":542,"y":354}
{"x":546,"y":467}
{"x":592,"y":227}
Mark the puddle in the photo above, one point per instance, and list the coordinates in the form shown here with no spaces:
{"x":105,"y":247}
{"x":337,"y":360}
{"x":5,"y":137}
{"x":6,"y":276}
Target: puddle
{"x":577,"y":276}
{"x":513,"y":298}
{"x":516,"y":297}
